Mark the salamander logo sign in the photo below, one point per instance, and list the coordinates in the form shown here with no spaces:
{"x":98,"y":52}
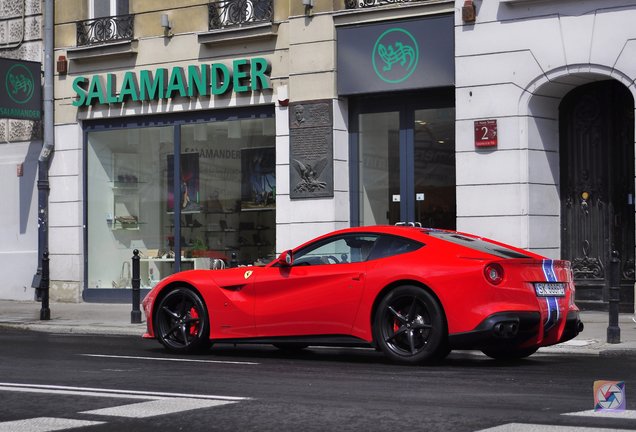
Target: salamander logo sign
{"x":20,"y":90}
{"x":401,"y":55}
{"x":395,"y":55}
{"x":19,"y":83}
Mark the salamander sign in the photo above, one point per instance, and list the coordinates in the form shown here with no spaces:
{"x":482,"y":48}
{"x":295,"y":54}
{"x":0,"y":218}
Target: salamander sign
{"x":396,"y":55}
{"x":20,"y":89}
{"x":244,"y":75}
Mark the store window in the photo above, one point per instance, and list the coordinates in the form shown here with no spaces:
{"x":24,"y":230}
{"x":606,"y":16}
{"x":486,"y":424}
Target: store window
{"x":221,"y":208}
{"x":231,"y":210}
{"x":127,"y":175}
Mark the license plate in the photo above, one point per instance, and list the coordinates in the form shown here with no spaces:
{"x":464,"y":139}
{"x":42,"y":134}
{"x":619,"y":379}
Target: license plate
{"x":549,"y":289}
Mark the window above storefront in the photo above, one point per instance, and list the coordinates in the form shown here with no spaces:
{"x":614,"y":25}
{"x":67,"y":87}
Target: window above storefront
{"x":231,"y":20}
{"x":237,"y":13}
{"x":109,"y":21}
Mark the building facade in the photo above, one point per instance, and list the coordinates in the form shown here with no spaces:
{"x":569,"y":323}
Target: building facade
{"x":20,"y":145}
{"x":199,"y":131}
{"x":558,"y":78}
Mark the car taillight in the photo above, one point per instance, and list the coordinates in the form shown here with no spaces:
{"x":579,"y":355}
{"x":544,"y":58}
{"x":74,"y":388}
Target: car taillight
{"x":494,"y":273}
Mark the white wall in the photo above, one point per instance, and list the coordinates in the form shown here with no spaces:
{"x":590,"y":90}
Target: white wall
{"x":300,"y":220}
{"x":66,"y":242}
{"x":18,"y":220}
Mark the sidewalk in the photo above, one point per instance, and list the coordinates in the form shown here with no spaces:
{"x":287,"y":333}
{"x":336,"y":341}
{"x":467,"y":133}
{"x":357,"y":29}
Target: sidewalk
{"x":114,"y":319}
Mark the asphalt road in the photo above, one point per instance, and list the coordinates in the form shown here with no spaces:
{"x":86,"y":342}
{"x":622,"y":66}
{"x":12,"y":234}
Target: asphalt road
{"x":94,"y":383}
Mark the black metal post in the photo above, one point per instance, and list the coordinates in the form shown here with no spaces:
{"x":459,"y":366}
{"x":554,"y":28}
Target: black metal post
{"x":45,"y":312}
{"x":135,"y":315}
{"x":613,"y":330}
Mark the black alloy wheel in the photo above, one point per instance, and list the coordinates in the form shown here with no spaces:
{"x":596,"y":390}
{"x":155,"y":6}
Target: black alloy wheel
{"x":504,"y":353}
{"x":409,"y":326}
{"x":181,"y":322}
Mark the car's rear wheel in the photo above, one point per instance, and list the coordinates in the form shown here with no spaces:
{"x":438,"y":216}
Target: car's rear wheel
{"x":509,"y":353}
{"x":182,"y":322}
{"x":409,"y":326}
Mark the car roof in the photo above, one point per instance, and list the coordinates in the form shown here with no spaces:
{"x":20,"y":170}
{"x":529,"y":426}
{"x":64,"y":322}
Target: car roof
{"x":421,"y":234}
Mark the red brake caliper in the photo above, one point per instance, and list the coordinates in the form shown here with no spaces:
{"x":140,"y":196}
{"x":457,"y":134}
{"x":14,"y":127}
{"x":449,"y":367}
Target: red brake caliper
{"x":194,"y":327}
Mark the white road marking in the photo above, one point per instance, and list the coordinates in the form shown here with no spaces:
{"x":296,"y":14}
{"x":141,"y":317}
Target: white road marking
{"x":156,"y":407}
{"x":73,"y":393}
{"x":169,"y":359}
{"x":154,"y":404}
{"x":627,"y":414}
{"x":521,"y":427}
{"x":44,"y":424}
{"x":114,"y":393}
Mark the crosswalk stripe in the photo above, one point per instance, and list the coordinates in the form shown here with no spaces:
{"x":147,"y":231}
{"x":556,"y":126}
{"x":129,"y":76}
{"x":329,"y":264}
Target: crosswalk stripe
{"x":625,"y":414}
{"x":114,"y":393}
{"x":522,"y":427}
{"x":156,"y":407}
{"x":44,"y":424}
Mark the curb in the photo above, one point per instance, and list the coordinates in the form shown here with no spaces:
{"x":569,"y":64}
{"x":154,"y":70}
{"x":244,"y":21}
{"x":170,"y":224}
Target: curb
{"x":134,"y":330}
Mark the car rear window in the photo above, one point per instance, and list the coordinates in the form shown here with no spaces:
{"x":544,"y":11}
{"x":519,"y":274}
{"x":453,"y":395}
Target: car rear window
{"x":477,"y":244}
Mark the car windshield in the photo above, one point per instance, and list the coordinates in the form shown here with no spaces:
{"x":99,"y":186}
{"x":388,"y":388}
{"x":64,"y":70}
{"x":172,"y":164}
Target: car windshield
{"x":477,"y":244}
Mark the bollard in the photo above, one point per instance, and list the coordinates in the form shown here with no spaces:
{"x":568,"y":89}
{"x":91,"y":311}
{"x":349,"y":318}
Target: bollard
{"x":135,"y":314}
{"x":45,"y":312}
{"x":613,"y":330}
{"x":234,"y":260}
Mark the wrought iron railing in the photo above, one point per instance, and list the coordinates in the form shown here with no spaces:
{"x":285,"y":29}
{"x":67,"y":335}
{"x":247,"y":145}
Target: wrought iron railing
{"x":355,"y":4}
{"x":235,"y":13}
{"x":105,"y":29}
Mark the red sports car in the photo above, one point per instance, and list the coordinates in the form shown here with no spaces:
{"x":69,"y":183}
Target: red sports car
{"x":413,"y":293}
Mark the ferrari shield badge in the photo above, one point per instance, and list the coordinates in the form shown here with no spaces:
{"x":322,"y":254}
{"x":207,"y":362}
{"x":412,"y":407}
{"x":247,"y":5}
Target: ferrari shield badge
{"x":247,"y":274}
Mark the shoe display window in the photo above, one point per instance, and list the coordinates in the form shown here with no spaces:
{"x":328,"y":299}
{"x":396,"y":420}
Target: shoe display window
{"x":212,"y":205}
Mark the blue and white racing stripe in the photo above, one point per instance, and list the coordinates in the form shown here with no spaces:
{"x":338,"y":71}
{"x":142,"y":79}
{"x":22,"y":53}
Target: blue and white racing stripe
{"x":552,"y":302}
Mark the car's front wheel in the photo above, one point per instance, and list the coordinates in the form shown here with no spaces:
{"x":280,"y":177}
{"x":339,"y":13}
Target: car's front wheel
{"x":409,"y":326}
{"x":182,"y":322}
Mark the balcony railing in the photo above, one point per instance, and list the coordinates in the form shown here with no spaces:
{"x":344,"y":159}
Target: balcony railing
{"x":106,"y":29}
{"x":236,"y":13}
{"x":356,"y":4}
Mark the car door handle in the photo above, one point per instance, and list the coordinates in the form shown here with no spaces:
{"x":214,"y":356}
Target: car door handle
{"x":358,"y":277}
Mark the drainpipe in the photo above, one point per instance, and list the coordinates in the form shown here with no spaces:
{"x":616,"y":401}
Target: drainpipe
{"x":41,"y":281}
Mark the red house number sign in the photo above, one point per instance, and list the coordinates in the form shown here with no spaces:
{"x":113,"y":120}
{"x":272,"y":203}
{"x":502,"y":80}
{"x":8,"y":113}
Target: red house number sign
{"x":486,"y":133}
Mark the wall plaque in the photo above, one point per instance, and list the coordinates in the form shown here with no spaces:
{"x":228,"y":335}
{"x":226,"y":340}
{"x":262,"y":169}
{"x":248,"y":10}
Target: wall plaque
{"x":486,"y":133}
{"x":311,"y":149}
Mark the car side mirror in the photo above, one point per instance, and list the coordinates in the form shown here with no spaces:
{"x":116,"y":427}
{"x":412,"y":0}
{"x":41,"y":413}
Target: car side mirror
{"x":285,"y":259}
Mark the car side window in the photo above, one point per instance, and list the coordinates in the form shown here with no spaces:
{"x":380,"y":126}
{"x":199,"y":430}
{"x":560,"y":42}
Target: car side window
{"x":348,"y":248}
{"x":387,"y":246}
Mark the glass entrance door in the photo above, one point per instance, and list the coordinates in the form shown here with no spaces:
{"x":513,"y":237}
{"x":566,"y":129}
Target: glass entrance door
{"x":434,"y":167}
{"x":379,"y":166}
{"x":405,"y":170}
